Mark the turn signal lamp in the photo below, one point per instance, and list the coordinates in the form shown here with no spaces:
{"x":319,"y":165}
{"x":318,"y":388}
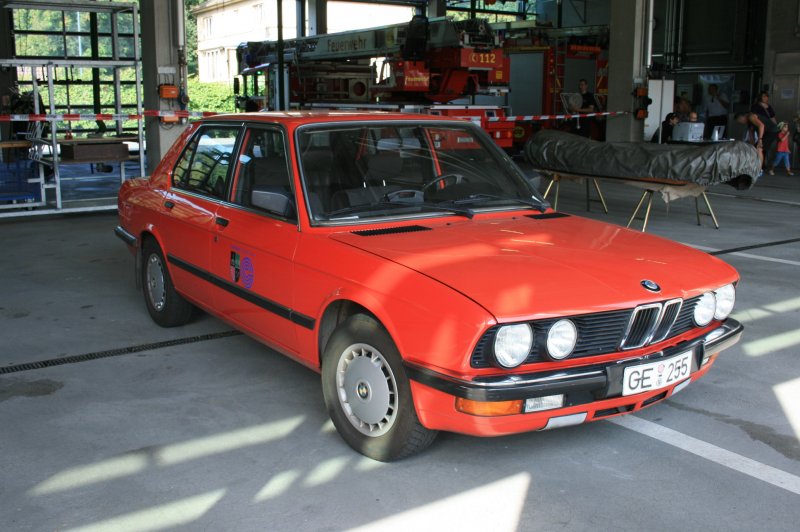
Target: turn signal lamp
{"x":488,"y":408}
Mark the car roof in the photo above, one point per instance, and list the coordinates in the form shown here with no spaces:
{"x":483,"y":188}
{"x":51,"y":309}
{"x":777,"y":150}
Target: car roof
{"x":299,"y":118}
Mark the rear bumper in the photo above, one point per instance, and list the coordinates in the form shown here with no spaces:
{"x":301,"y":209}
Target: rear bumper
{"x":589,"y":389}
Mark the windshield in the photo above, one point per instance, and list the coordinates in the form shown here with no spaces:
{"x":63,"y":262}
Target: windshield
{"x":397,"y":169}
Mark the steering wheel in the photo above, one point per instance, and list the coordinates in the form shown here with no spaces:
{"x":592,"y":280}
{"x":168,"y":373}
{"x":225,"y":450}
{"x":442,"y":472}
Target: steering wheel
{"x":457,"y":179}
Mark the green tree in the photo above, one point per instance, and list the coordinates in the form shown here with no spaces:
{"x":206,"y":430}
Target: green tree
{"x":215,"y":97}
{"x":191,"y":36}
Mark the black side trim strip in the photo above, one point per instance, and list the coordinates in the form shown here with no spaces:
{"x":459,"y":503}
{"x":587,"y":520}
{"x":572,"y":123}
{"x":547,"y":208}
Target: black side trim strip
{"x":268,"y":305}
{"x":125,"y":236}
{"x":507,"y":390}
{"x":547,"y":215}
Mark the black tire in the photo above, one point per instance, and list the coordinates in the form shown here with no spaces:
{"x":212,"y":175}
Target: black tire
{"x":165,"y":306}
{"x":359,"y":360}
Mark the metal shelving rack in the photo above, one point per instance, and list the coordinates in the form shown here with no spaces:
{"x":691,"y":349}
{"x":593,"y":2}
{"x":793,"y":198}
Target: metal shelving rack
{"x":48,"y":66}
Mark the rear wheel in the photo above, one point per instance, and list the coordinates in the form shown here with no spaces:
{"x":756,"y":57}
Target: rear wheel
{"x":367,"y":393}
{"x":165,"y":305}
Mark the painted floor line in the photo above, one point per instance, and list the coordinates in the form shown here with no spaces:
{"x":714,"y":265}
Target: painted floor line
{"x":748,"y":255}
{"x":756,"y":198}
{"x":759,"y":246}
{"x":723,"y":457}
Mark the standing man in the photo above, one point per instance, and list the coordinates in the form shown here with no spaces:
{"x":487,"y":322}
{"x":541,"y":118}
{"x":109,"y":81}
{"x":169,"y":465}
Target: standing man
{"x":584,"y":128}
{"x":717,"y":106}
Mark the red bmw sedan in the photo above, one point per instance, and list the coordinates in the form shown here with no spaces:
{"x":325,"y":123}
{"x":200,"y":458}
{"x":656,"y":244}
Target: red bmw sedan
{"x":409,"y":261}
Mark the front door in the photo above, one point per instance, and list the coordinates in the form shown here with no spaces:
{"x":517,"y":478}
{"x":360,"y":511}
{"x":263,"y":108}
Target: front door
{"x":200,"y":180}
{"x":255,"y":245}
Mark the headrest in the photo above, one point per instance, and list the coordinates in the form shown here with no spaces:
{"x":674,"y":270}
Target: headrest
{"x":411,"y":143}
{"x":389,"y":144}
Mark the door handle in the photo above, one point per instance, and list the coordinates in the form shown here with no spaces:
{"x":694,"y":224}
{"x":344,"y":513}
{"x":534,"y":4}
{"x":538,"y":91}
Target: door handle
{"x":168,"y":204}
{"x":222,"y":222}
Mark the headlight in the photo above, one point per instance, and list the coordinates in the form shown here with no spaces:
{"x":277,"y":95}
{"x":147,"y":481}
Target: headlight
{"x":513,"y":344}
{"x":726,"y":297}
{"x":561,"y":339}
{"x":705,"y":309}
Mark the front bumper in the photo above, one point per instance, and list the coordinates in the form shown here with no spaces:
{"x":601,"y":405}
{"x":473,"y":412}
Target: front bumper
{"x":586,"y":389}
{"x":125,"y":236}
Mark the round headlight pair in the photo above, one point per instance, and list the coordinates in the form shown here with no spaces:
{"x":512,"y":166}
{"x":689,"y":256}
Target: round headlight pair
{"x":714,"y":305}
{"x":513,"y":343}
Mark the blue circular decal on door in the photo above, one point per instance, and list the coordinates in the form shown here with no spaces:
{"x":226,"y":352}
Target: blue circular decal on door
{"x":248,"y":273}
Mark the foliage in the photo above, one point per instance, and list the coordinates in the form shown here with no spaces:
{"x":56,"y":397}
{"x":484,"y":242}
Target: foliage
{"x":191,"y":36}
{"x":216,"y":97}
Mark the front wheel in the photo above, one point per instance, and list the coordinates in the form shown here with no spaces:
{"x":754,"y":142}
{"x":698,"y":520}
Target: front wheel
{"x":367,"y":393}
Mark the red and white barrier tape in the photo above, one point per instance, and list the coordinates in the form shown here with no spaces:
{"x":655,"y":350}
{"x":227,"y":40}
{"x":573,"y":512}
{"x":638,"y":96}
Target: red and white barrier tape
{"x":201,"y":114}
{"x":76,"y":117}
{"x":538,"y":118}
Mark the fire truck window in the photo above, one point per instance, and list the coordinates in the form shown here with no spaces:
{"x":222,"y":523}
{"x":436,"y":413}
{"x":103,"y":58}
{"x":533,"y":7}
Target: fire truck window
{"x":204,"y":167}
{"x":264,"y":181}
{"x":458,"y":152}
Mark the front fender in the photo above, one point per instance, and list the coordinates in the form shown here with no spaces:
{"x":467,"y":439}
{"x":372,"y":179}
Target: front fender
{"x":431,"y":324}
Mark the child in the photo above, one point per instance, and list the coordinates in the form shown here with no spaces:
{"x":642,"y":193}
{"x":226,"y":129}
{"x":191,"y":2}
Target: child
{"x":782,"y":151}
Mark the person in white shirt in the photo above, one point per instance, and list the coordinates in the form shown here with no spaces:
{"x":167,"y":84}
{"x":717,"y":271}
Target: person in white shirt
{"x":717,"y":106}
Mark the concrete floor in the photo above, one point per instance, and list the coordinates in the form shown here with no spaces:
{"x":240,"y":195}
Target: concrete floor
{"x":221,"y":433}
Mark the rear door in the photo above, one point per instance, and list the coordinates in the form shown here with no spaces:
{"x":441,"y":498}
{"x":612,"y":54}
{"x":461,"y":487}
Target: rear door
{"x":200,"y":181}
{"x":253,"y":249}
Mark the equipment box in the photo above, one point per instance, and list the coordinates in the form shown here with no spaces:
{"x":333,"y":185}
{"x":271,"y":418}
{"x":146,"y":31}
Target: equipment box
{"x":94,"y":151}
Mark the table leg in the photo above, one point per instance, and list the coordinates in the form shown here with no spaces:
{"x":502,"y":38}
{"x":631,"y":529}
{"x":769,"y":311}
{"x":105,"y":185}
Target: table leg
{"x":600,"y":194}
{"x":557,"y":182}
{"x":649,"y":195}
{"x":710,"y":211}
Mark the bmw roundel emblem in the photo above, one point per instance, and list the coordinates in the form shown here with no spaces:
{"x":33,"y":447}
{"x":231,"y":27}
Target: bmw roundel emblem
{"x":650,"y":285}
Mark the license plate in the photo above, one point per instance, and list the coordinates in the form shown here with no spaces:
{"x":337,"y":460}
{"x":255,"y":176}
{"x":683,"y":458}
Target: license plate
{"x":654,"y":375}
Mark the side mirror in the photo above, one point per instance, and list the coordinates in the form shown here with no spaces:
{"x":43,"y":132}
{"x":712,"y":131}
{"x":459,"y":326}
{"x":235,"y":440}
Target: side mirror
{"x":273,"y":200}
{"x":236,"y":86}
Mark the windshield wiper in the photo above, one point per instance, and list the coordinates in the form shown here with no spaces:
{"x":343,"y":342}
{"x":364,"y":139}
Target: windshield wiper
{"x":450,"y":206}
{"x":535,"y":204}
{"x":355,"y":209}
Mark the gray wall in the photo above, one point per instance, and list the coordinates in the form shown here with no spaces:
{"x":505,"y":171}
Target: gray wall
{"x":782,"y":57}
{"x":626,"y":67}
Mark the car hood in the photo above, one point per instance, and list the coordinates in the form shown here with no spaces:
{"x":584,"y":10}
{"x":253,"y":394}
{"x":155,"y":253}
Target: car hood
{"x":538,"y":266}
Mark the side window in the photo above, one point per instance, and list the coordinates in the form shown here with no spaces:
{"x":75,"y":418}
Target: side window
{"x":264,"y":182}
{"x":205,"y":166}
